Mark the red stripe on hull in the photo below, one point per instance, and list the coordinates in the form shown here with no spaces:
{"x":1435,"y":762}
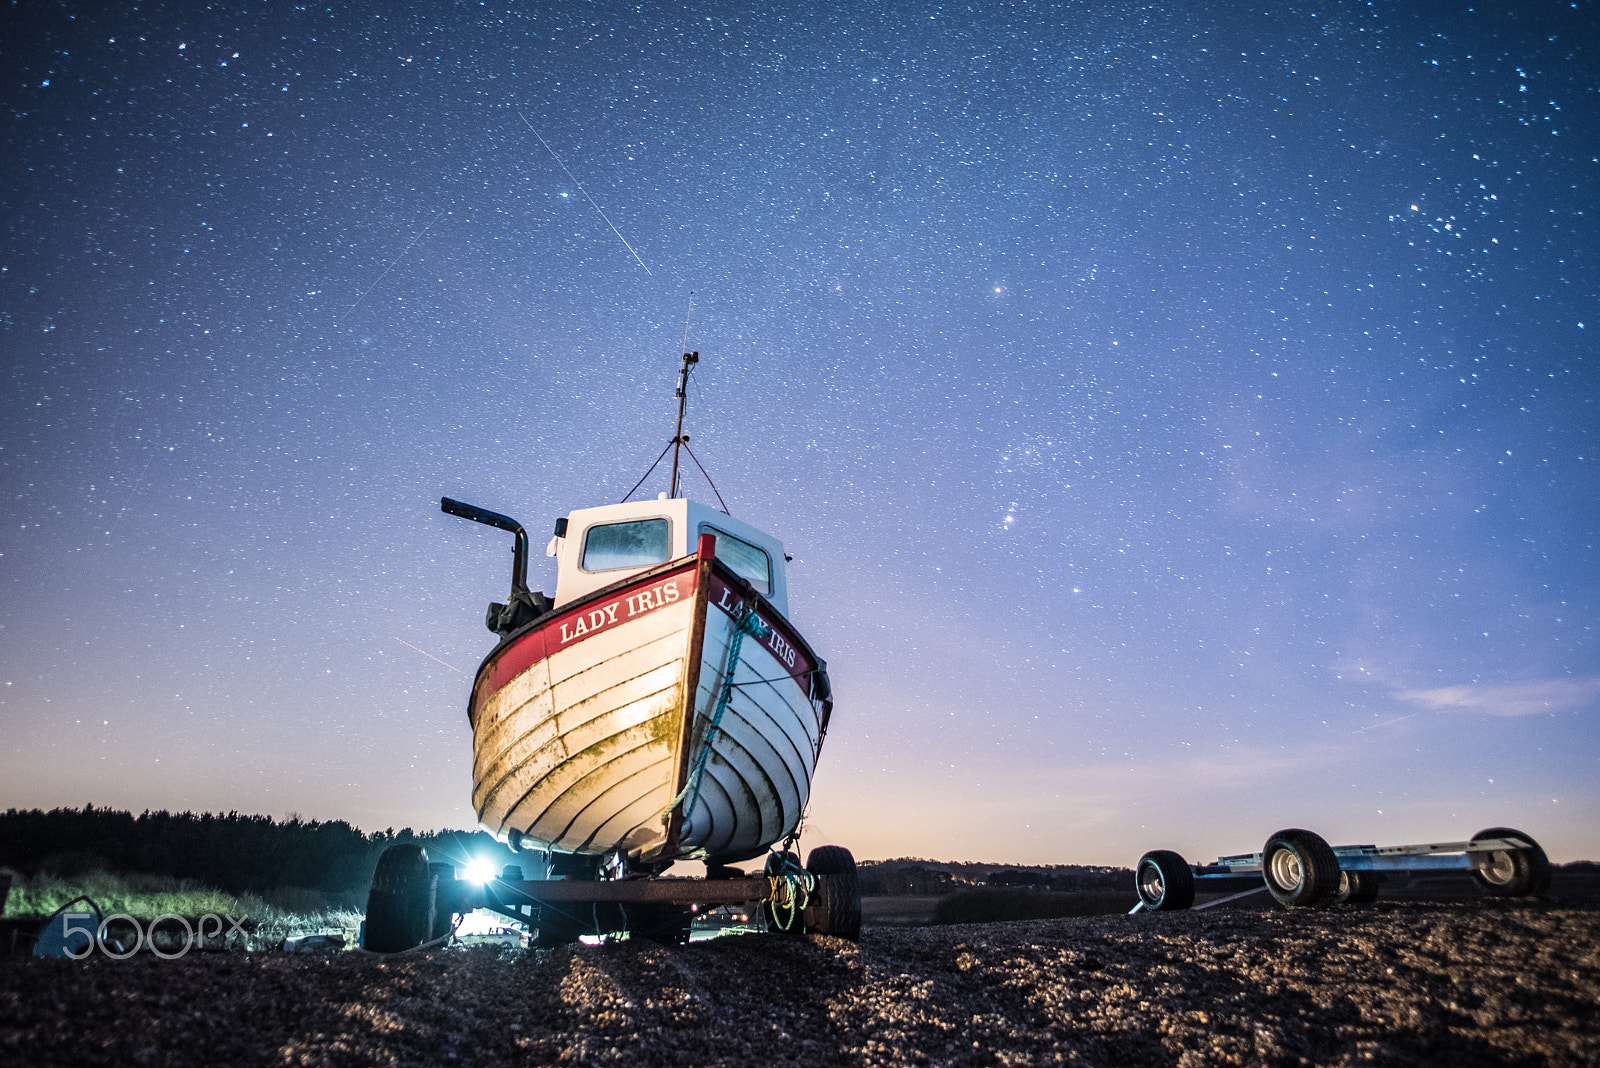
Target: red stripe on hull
{"x":783,"y":642}
{"x":581,"y":620}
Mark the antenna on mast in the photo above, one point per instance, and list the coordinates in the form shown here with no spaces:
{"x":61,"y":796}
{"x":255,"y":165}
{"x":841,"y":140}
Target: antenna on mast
{"x":680,"y":440}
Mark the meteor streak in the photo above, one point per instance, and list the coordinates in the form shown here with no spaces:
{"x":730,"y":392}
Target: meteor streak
{"x":394,"y":261}
{"x":585,"y":193}
{"x":425,"y":653}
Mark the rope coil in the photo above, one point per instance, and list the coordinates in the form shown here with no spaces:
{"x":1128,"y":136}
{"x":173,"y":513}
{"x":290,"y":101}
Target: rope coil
{"x":792,"y":887}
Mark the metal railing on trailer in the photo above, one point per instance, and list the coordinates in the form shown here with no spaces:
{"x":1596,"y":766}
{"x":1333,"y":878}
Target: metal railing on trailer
{"x":1301,"y":870}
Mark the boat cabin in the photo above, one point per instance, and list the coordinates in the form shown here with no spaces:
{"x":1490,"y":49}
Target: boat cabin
{"x":595,"y":547}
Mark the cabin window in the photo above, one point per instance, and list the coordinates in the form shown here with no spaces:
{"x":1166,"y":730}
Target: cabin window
{"x":747,"y":560}
{"x":637,"y":544}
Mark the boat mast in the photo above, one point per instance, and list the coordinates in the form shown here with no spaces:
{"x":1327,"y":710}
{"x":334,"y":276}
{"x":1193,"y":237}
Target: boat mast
{"x":680,"y":439}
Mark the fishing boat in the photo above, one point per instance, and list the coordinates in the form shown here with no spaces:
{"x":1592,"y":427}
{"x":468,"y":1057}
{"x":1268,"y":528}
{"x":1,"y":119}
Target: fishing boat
{"x":661,"y":706}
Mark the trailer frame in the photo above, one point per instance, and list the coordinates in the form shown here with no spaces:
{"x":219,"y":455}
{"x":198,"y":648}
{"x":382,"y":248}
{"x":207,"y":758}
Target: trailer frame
{"x":413,"y":902}
{"x":1301,"y":870}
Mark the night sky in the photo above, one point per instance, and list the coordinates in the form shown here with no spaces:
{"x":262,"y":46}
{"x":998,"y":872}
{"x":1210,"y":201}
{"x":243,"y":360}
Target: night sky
{"x":1182,"y":417}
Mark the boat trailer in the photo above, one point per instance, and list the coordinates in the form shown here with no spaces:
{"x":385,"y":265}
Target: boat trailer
{"x":414,"y":903}
{"x":1301,"y":870}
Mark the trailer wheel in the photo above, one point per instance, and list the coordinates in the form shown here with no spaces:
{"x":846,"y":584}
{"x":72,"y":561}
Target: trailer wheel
{"x":400,"y":902}
{"x":548,"y":937}
{"x":443,"y":877}
{"x":1165,"y":881}
{"x":835,"y":907}
{"x":553,"y":928}
{"x":1357,"y":888}
{"x":1300,"y":869}
{"x":1511,"y":872}
{"x":664,"y":924}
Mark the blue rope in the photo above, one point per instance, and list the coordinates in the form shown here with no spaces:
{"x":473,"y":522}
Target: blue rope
{"x":792,"y":887}
{"x":750,"y":624}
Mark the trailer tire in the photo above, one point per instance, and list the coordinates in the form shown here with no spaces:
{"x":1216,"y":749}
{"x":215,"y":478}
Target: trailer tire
{"x":1357,"y":888}
{"x":835,"y":907}
{"x":400,"y":901}
{"x":1511,"y":872}
{"x":1165,"y":881}
{"x":1300,"y":869}
{"x":663,"y":923}
{"x":553,"y":929}
{"x":443,"y":877}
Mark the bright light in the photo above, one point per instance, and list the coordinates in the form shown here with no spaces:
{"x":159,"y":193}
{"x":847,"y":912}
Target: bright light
{"x":480,"y":869}
{"x":479,"y":922}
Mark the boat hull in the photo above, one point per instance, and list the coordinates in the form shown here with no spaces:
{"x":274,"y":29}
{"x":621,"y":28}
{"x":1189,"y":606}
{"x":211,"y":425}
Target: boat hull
{"x":592,"y":726}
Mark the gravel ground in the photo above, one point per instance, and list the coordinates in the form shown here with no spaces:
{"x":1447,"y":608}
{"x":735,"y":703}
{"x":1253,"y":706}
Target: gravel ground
{"x":1395,"y":983}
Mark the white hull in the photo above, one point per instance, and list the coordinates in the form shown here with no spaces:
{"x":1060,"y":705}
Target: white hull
{"x":579,"y":723}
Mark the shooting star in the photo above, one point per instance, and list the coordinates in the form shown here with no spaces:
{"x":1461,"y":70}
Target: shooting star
{"x":129,"y":499}
{"x":1386,"y":723}
{"x":425,"y":653}
{"x":585,"y":193}
{"x":396,"y":260}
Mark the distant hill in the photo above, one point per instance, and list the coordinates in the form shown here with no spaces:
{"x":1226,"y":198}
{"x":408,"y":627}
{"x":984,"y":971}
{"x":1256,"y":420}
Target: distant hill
{"x":917,"y":876}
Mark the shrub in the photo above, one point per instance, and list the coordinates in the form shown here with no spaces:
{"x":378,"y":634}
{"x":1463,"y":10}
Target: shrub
{"x":267,"y":920}
{"x":142,"y":896}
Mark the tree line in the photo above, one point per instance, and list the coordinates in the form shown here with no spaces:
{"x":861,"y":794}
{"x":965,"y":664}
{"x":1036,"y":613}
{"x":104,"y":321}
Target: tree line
{"x":915,"y":876}
{"x":240,"y":853}
{"x":232,"y":852}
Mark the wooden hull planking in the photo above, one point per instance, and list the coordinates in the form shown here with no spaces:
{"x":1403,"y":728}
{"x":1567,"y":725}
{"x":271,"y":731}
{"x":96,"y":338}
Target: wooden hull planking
{"x":757,"y":778}
{"x":580,"y":738}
